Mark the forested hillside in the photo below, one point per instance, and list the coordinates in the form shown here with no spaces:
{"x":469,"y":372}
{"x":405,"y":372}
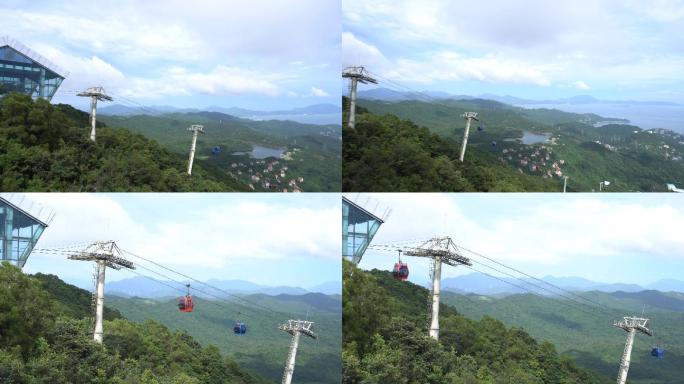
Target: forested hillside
{"x":589,"y":336}
{"x":385,"y":341}
{"x":46,"y":147}
{"x":46,"y":339}
{"x":312,"y":152}
{"x":386,"y":153}
{"x":508,"y":141}
{"x":264,"y":347}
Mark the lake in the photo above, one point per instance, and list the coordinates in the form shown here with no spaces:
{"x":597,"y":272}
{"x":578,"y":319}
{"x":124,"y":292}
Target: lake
{"x":530,"y":138}
{"x":533,"y":138}
{"x":644,"y":116}
{"x":259,"y":152}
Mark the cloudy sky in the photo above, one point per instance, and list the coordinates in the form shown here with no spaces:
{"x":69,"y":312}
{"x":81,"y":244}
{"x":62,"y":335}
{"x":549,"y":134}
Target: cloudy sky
{"x":529,"y":48}
{"x":270,"y":239}
{"x":258,"y":54}
{"x":629,"y":238}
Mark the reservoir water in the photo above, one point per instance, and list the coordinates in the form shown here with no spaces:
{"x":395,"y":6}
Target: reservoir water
{"x":644,"y":116}
{"x":259,"y":152}
{"x":533,"y":138}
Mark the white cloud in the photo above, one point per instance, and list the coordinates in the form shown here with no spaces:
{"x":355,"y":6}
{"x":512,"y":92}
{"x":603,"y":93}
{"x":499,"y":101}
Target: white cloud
{"x":663,"y":10}
{"x":130,"y":47}
{"x":356,"y":52}
{"x":124,"y":36}
{"x":221,"y":80}
{"x":442,"y":65}
{"x":317,"y":92}
{"x":83,"y":71}
{"x":550,"y":231}
{"x":214,"y":237}
{"x":529,"y":42}
{"x":448,"y":65}
{"x":580,"y":85}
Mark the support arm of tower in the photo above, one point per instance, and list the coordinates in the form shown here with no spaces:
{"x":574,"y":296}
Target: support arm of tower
{"x":443,"y":251}
{"x":296,"y":328}
{"x":105,"y":254}
{"x":355,"y":75}
{"x":632,"y":325}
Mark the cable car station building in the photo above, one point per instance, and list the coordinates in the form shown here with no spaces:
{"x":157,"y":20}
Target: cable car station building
{"x":23,"y":70}
{"x":19,"y":230}
{"x":358,"y":228}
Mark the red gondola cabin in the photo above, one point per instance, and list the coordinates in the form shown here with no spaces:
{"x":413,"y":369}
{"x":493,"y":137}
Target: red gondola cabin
{"x":401,"y":271}
{"x":185,"y":304}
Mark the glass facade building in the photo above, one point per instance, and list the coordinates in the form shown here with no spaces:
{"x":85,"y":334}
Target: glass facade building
{"x":358,"y":228}
{"x":19,"y":232}
{"x":22,"y":70}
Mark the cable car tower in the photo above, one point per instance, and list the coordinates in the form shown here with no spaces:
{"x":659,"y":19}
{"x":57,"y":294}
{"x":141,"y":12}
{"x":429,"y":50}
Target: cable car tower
{"x":355,"y":75}
{"x":469,"y":116}
{"x":295,"y":328}
{"x":195,"y":129}
{"x":105,"y":254}
{"x":95,"y":94}
{"x":440,"y":250}
{"x":631,"y":325}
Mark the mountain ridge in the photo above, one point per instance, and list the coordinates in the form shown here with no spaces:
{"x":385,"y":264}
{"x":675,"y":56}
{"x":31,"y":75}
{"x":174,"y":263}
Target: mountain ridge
{"x":484,"y":285}
{"x":145,"y":288}
{"x":125,"y":110}
{"x":386,"y":94}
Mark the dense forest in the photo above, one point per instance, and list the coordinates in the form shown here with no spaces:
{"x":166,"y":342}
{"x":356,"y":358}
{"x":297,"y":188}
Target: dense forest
{"x":264,"y":348}
{"x":589,"y":337}
{"x":387,"y":153}
{"x":46,"y":338}
{"x":47,"y":147}
{"x":385,"y":341}
{"x":315,"y":149}
{"x":413,"y":145}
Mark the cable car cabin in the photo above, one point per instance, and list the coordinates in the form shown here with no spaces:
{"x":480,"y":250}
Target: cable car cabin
{"x":240,"y":328}
{"x":185,"y":304}
{"x":658,"y":352}
{"x":401,"y":271}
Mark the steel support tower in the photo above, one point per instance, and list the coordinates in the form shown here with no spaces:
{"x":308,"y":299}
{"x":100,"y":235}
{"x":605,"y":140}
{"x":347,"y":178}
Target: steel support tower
{"x":95,"y":94}
{"x":104,"y":254}
{"x":295,"y":328}
{"x":632,"y":325}
{"x":469,"y":116}
{"x":441,"y":250}
{"x":195,"y":129}
{"x":355,"y":75}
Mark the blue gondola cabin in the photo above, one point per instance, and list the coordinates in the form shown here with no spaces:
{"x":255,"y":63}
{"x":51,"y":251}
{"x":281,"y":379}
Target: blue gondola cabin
{"x":240,"y":328}
{"x":658,"y":352}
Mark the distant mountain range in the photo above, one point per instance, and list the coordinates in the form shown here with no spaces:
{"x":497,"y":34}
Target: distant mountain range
{"x":124,"y":110}
{"x":146,"y":288}
{"x":485,"y":285}
{"x":392,"y":95}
